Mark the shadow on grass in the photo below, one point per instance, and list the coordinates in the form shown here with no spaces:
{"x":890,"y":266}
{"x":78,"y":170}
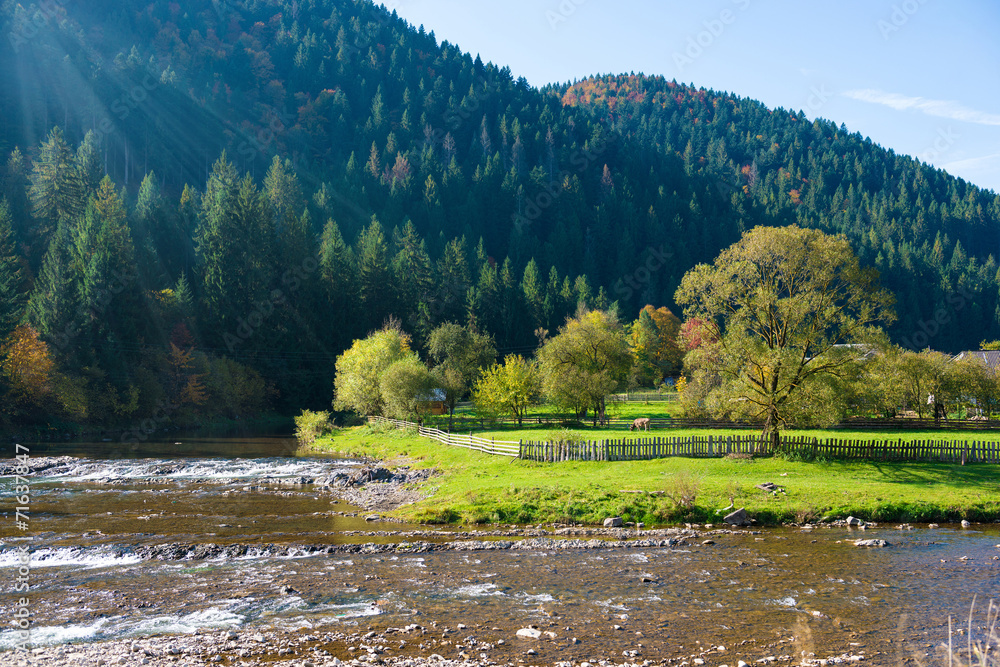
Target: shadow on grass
{"x":973,"y":475}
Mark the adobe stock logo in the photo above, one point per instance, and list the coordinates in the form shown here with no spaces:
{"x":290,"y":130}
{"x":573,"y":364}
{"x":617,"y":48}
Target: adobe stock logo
{"x":900,"y":16}
{"x":656,"y":258}
{"x":698,"y":43}
{"x":928,"y":329}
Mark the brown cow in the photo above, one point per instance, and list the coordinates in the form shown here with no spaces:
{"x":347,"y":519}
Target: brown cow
{"x":642,"y":424}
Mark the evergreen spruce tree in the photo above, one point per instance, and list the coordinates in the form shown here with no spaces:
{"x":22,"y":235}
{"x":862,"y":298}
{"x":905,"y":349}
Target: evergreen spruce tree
{"x":377,"y":288}
{"x":53,"y":306}
{"x":235,"y":242}
{"x":150,"y":234}
{"x":454,"y":278}
{"x":57,"y":192}
{"x":12,"y":298}
{"x":533,"y":292}
{"x":338,"y":275}
{"x":89,"y":164}
{"x":15,"y":190}
{"x":412,"y":266}
{"x":114,"y":317}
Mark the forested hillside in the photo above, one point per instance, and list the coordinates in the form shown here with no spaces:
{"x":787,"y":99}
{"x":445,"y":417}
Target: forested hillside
{"x":206,"y":202}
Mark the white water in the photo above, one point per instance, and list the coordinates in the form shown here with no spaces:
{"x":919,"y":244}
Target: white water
{"x":183,"y":469}
{"x":121,"y":626}
{"x":94,"y":557}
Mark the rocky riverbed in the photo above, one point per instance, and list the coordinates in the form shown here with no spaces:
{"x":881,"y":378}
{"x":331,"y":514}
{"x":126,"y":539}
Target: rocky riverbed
{"x":413,"y":645}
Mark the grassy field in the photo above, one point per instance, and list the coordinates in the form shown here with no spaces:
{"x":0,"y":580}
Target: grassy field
{"x":479,"y":488}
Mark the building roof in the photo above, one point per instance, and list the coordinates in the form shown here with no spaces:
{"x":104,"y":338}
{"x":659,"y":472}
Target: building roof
{"x":865,"y":351}
{"x":434,"y":395}
{"x":990,"y":357}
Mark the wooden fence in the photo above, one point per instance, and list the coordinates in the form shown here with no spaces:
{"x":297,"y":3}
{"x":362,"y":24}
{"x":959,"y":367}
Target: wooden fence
{"x":643,"y":397}
{"x":708,"y":446}
{"x":642,"y":448}
{"x":714,"y":446}
{"x":487,"y":446}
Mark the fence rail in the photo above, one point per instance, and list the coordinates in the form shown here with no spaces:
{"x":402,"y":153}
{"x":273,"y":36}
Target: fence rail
{"x":714,"y":446}
{"x":487,"y":446}
{"x":709,"y":446}
{"x":643,"y":397}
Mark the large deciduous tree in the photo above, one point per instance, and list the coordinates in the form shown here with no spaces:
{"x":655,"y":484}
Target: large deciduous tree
{"x":461,"y":353}
{"x":357,"y":385}
{"x":781,"y":303}
{"x":507,"y":389}
{"x":26,"y":367}
{"x":653,"y":338}
{"x":406,"y":386}
{"x":586,"y":361}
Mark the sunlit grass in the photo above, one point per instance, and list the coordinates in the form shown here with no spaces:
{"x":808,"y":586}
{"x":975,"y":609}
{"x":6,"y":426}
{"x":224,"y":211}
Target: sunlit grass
{"x":480,"y":488}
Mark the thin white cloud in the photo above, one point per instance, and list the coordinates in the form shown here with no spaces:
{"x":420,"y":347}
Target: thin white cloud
{"x":973,"y":163}
{"x":941,"y":108}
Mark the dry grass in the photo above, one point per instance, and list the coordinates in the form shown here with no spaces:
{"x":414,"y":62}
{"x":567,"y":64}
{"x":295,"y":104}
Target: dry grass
{"x":980,"y":645}
{"x":682,"y":489}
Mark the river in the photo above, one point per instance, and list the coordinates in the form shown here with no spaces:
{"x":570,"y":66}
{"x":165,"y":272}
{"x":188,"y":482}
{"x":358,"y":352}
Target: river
{"x":117,"y":543}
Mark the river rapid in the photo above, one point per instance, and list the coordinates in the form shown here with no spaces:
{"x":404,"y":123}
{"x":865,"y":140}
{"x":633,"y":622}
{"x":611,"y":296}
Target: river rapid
{"x":236,"y":551}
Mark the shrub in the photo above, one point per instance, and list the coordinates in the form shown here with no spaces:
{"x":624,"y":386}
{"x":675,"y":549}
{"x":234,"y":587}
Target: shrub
{"x":682,"y":490}
{"x":310,"y":425}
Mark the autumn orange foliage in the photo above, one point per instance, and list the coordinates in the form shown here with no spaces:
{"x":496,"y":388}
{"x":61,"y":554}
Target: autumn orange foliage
{"x":26,"y":363}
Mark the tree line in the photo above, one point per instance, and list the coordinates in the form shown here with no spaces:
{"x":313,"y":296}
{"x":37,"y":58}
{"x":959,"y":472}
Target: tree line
{"x":590,"y":356}
{"x":784,"y":329}
{"x":222,"y":302}
{"x":458,"y":192}
{"x":628,"y":179}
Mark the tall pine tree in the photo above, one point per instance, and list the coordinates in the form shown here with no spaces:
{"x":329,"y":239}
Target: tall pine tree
{"x":12,"y":296}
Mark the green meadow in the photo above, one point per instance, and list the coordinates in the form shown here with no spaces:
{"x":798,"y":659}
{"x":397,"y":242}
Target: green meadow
{"x":476,"y":488}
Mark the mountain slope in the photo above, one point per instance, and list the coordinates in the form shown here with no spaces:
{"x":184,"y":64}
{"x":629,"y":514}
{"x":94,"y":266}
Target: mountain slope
{"x":607,"y":189}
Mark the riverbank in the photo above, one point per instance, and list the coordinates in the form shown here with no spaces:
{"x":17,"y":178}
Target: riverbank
{"x":412,"y":645}
{"x":475,"y":488}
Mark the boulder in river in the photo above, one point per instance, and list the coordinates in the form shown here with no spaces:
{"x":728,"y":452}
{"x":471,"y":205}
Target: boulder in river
{"x":854,"y":521}
{"x":530,"y":633}
{"x":737,"y":518}
{"x":870,"y":543}
{"x":613,"y":522}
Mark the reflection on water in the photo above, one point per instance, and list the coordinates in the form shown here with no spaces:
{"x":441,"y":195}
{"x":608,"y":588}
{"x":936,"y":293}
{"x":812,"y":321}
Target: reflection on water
{"x":779,"y":592}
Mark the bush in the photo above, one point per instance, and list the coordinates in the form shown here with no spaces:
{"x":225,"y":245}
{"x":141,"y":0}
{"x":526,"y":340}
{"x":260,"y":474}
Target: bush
{"x":310,"y":425}
{"x":682,"y":490}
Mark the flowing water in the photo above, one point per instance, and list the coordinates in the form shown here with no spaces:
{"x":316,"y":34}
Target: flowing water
{"x":102,"y":526}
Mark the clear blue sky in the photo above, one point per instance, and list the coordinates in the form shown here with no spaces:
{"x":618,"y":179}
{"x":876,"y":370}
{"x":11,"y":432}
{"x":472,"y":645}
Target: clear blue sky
{"x":921,"y":77}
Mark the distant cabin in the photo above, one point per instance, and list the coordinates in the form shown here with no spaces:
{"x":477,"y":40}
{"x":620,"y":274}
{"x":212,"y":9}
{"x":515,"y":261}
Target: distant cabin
{"x":989,"y":357}
{"x":433,"y":402}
